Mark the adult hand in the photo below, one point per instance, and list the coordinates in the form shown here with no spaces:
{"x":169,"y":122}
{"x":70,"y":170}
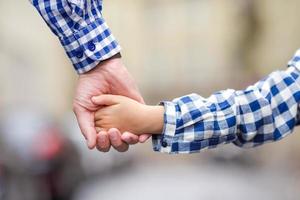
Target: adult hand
{"x":109,"y":77}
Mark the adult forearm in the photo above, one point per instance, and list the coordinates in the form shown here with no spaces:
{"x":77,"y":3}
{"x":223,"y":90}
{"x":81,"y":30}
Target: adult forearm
{"x":86,"y":38}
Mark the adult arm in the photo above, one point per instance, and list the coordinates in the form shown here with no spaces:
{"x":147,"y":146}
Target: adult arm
{"x":81,"y":29}
{"x":94,"y":53}
{"x":264,"y":112}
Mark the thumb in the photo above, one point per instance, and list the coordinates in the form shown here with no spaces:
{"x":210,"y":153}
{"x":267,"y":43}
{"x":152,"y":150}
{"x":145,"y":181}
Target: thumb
{"x":85,"y":120}
{"x":143,"y":138}
{"x":105,"y":100}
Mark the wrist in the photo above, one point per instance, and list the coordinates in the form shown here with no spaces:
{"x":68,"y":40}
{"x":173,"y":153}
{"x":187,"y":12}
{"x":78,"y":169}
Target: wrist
{"x":106,"y":65}
{"x":154,"y":119}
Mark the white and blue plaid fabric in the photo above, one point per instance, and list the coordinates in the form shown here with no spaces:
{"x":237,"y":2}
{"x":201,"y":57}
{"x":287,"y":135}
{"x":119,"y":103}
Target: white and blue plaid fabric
{"x":265,"y":112}
{"x":81,"y":30}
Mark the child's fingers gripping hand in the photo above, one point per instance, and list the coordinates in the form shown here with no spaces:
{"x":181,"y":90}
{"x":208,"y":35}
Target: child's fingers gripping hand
{"x":105,"y":117}
{"x":119,"y":112}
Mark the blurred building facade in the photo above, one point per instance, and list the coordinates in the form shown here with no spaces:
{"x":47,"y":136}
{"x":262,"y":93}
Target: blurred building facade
{"x":191,"y":45}
{"x":171,"y":47}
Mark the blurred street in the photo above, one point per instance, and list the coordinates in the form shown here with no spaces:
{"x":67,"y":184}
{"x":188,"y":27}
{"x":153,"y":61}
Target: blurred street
{"x":201,"y":180}
{"x":171,"y":48}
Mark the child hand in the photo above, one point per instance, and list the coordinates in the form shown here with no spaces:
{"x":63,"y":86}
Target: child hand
{"x":126,"y":114}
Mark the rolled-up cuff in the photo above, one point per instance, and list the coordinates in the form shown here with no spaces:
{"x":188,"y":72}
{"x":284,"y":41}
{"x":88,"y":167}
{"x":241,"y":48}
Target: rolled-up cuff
{"x":90,"y":45}
{"x":176,"y":138}
{"x":163,"y":143}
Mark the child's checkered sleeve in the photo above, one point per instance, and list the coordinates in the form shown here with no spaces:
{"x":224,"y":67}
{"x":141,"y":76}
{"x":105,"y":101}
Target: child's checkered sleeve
{"x":81,"y":29}
{"x":265,"y":112}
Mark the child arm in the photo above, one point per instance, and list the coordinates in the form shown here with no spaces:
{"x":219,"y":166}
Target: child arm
{"x":126,"y":114}
{"x":264,"y":112}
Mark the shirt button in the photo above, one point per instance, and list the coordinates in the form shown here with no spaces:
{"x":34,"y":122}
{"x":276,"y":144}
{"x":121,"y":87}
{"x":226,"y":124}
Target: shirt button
{"x":76,"y":26}
{"x":164,"y":144}
{"x":79,"y":54}
{"x":91,"y":46}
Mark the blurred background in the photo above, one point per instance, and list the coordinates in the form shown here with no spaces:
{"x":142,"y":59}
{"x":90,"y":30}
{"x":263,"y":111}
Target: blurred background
{"x":172,"y":48}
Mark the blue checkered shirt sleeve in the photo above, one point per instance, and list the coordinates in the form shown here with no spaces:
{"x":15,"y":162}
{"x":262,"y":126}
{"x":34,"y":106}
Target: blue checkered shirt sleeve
{"x":264,"y":112}
{"x":81,"y":29}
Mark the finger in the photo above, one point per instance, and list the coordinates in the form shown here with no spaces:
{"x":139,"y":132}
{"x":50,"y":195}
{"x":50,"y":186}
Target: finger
{"x":98,"y":126}
{"x":99,"y":129}
{"x":130,"y":138}
{"x":102,"y":112}
{"x":130,"y":88}
{"x":103,"y":143}
{"x":105,"y":100}
{"x":143,"y":138}
{"x":135,"y":95}
{"x":115,"y":140}
{"x":85,"y":120}
{"x":139,"y":98}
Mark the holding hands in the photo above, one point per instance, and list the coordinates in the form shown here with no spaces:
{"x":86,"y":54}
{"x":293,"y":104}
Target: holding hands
{"x":127,"y":115}
{"x":109,"y":77}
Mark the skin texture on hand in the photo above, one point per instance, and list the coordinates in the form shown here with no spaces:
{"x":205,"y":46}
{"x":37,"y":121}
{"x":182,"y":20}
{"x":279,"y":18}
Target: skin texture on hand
{"x":109,"y":77}
{"x":127,"y":114}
